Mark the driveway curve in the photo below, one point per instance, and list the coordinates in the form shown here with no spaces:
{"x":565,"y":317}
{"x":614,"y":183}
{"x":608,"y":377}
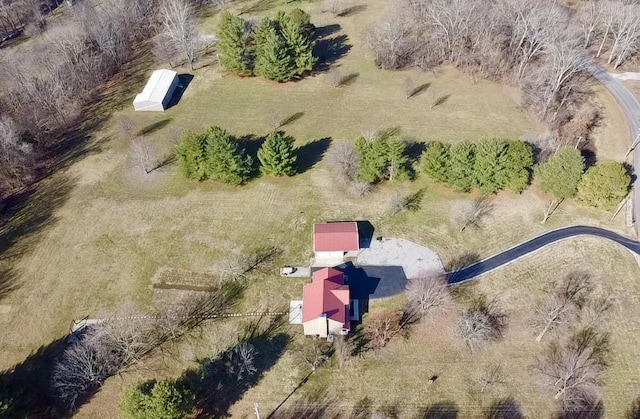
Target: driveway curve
{"x":472,"y":271}
{"x":631,"y":109}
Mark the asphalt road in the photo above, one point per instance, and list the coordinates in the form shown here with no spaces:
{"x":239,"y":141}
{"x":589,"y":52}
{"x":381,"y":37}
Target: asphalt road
{"x":631,"y":109}
{"x":501,"y":259}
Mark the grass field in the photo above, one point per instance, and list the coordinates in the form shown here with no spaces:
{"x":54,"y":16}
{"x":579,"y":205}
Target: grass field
{"x":95,"y":233}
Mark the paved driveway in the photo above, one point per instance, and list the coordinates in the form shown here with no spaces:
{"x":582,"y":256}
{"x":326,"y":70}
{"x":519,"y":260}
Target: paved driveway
{"x":383,"y":268}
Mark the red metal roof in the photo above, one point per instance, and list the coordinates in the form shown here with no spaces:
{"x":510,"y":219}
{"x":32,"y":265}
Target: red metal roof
{"x":336,"y":237}
{"x":327,"y":295}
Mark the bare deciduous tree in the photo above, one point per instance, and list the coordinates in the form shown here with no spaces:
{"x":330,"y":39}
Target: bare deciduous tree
{"x":574,"y":371}
{"x":179,"y":26}
{"x":427,"y":293}
{"x":15,"y":155}
{"x":163,"y":50}
{"x":408,"y":87}
{"x":471,"y":213}
{"x":359,"y":188}
{"x":562,"y":305}
{"x":343,"y":348}
{"x":142,"y":154}
{"x":273,"y":117}
{"x":344,"y":160}
{"x":312,"y":353}
{"x":336,"y":77}
{"x":335,"y":7}
{"x":391,"y":42}
{"x":381,"y":327}
{"x":240,"y":360}
{"x":490,"y":375}
{"x":481,"y":324}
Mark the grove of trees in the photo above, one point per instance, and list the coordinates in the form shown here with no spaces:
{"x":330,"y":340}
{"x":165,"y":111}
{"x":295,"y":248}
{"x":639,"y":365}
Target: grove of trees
{"x":217,"y":155}
{"x":489,"y":165}
{"x":278,"y":48}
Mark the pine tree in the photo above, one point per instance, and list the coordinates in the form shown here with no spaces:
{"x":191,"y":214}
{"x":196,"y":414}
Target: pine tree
{"x":397,"y":161}
{"x":373,"y":159}
{"x":157,"y":400}
{"x":518,"y":163}
{"x":192,"y":156}
{"x":298,"y":40}
{"x":604,"y":185}
{"x":490,"y":169}
{"x":275,"y":60}
{"x":461,"y":175}
{"x":276,"y":155}
{"x":225,"y":161}
{"x":560,"y":175}
{"x":235,"y":44}
{"x":435,"y":161}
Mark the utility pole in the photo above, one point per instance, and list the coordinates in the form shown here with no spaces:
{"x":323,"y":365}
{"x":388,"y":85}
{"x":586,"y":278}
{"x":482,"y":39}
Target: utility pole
{"x":255,"y":409}
{"x":633,"y":145}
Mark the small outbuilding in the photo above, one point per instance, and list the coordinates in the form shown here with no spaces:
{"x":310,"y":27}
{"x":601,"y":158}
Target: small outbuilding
{"x":334,"y":241}
{"x":158,"y":91}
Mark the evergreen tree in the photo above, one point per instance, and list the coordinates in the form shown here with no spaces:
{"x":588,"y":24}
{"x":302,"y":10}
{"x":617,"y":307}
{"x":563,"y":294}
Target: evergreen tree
{"x":225,"y":161}
{"x":560,"y":175}
{"x":302,"y":19}
{"x":275,"y":60}
{"x":295,"y":33}
{"x":461,"y":175}
{"x":490,"y":169}
{"x":518,"y":163}
{"x":373,"y":159}
{"x":276,"y":155}
{"x":435,"y":161}
{"x":157,"y":400}
{"x":192,"y":156}
{"x":604,"y":185}
{"x":397,"y":161}
{"x":235,"y":44}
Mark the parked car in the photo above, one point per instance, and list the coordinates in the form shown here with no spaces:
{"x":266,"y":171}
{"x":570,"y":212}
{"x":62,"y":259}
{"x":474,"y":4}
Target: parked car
{"x":287,"y":270}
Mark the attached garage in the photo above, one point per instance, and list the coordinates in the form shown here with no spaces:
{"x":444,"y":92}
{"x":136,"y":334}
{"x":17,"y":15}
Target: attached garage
{"x":157,"y":94}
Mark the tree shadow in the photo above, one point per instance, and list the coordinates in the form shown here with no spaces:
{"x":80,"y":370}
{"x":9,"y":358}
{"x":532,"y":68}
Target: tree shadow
{"x":8,"y":282}
{"x":325,"y":408}
{"x":634,"y":410}
{"x":414,"y":150}
{"x":311,"y":153}
{"x":441,"y":410}
{"x":441,"y":100}
{"x":413,"y":201}
{"x":353,"y":10}
{"x":462,"y":261}
{"x":217,"y":382}
{"x":28,"y":386}
{"x":324,"y":31}
{"x":330,"y":49}
{"x":419,"y":89}
{"x":348,"y":79}
{"x":291,"y":119}
{"x":259,"y":6}
{"x":156,"y":126}
{"x":590,"y":158}
{"x":508,"y":408}
{"x":251,"y":144}
{"x":183,"y":82}
{"x":586,"y":409}
{"x":28,"y":212}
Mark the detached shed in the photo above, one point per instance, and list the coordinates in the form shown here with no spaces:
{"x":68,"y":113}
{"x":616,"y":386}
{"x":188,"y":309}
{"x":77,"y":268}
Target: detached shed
{"x":157,"y":93}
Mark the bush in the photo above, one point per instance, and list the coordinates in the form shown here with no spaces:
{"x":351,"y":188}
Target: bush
{"x":157,"y":400}
{"x":604,"y":185}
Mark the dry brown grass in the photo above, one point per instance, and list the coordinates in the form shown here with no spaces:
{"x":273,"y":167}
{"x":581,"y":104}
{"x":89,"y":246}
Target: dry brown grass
{"x":117,"y":227}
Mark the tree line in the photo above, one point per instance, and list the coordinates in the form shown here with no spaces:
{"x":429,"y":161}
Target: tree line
{"x":217,"y":155}
{"x":278,"y":48}
{"x":541,"y":46}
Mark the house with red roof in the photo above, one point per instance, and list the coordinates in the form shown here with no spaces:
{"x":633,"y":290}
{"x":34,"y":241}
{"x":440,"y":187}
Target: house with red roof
{"x":332,"y":242}
{"x":326,"y":304}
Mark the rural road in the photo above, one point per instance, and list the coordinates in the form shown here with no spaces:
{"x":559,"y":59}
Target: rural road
{"x":530,"y":246}
{"x":631,"y":109}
